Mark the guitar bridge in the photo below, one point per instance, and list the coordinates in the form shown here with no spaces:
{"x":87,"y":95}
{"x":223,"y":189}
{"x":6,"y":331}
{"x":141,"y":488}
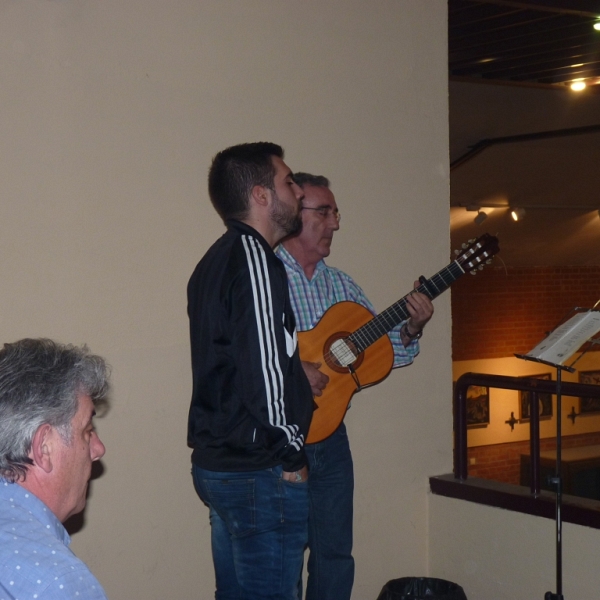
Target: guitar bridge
{"x":342,"y":352}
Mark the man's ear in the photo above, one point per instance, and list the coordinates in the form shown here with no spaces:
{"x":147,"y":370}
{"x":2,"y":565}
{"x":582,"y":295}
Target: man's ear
{"x":261,"y":195}
{"x":41,"y":447}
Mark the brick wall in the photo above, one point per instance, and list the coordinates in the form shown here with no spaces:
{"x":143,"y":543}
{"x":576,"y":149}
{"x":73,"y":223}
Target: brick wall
{"x":502,"y":462}
{"x":502,"y":311}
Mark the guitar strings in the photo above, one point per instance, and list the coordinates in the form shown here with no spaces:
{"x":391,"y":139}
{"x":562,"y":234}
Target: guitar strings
{"x":371,"y":331}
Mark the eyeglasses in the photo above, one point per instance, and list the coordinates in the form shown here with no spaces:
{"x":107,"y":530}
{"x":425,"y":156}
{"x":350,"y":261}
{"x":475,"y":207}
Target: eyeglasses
{"x":325,"y":211}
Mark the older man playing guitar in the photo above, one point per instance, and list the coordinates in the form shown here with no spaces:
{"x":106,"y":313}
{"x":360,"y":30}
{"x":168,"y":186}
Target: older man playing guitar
{"x":314,"y":288}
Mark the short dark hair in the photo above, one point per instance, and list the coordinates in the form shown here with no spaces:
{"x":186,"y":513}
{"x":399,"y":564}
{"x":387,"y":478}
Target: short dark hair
{"x":40,"y":383}
{"x":303,"y":179}
{"x":235,"y":171}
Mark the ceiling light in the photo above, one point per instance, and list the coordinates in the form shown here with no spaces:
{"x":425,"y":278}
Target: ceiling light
{"x":597,"y":26}
{"x":577,"y":86}
{"x":480,"y":218}
{"x":517,"y":214}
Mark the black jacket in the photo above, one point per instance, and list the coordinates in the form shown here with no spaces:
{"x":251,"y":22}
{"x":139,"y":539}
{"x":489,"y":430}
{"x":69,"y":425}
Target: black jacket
{"x":251,"y":402}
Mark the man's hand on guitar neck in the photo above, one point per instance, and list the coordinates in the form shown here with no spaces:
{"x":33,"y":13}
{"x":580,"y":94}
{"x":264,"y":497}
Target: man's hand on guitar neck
{"x":317,"y":380}
{"x":420,"y":309}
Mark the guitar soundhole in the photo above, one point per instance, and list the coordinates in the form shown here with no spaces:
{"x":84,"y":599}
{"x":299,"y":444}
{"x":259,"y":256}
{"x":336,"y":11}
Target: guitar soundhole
{"x":330,"y":355}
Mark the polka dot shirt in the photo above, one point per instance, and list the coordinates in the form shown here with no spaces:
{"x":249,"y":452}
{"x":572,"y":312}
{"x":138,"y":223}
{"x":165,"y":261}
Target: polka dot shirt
{"x":35,"y":560}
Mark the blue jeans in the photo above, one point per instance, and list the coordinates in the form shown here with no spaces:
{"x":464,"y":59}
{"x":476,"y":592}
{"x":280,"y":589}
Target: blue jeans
{"x":331,"y":489}
{"x":258,"y":532}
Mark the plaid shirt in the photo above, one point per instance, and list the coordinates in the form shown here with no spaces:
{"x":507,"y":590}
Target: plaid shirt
{"x":328,"y":286}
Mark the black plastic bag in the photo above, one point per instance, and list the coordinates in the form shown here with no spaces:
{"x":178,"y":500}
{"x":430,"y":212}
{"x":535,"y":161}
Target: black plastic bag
{"x":421,"y":588}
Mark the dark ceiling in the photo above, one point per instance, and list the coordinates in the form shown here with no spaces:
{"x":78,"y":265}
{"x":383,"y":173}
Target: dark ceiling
{"x":537,"y":149}
{"x":533,"y":42}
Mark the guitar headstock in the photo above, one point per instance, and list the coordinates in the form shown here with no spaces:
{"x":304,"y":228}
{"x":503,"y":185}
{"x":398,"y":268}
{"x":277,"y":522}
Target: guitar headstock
{"x":477,"y":253}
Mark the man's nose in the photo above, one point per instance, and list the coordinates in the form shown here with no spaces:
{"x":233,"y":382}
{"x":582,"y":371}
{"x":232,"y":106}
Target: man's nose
{"x":334,"y":221}
{"x":98,"y":449}
{"x":298,"y":192}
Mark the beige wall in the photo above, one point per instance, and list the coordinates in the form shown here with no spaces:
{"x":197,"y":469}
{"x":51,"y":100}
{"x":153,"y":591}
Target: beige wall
{"x":480,"y":111}
{"x":111,"y":112}
{"x":501,"y":555}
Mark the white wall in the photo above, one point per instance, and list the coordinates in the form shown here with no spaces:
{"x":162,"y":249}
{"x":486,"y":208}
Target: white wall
{"x":110,"y":114}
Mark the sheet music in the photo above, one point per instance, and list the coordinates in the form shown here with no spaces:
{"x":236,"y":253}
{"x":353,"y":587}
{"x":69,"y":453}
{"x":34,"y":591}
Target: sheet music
{"x":566,"y":339}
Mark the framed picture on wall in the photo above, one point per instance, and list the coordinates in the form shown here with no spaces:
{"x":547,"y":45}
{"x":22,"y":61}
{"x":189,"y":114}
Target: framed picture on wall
{"x":478,"y":406}
{"x":545,"y":401}
{"x":589,"y":406}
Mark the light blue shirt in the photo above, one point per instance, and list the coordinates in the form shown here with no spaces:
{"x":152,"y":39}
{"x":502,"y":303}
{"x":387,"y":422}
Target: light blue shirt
{"x":328,"y":286}
{"x":35,"y":560}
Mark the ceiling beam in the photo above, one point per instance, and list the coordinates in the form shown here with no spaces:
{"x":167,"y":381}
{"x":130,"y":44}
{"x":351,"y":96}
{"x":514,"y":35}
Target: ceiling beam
{"x":518,"y":37}
{"x":582,"y":8}
{"x":481,"y":145}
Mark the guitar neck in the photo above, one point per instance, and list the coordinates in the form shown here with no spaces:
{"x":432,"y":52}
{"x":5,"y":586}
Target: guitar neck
{"x":385,"y":321}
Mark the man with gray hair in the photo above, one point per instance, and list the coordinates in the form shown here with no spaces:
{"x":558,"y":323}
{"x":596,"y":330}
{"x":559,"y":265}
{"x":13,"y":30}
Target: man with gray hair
{"x":314,"y":288}
{"x":48,"y":396}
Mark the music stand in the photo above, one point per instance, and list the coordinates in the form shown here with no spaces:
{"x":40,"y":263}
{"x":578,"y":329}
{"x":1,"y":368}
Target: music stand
{"x":558,"y":347}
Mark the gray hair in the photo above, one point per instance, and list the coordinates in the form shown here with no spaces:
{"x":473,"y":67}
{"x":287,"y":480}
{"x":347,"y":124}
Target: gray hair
{"x":303,"y":179}
{"x":40,"y":383}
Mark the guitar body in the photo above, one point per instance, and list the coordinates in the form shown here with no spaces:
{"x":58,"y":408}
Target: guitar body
{"x":348,"y":334}
{"x":372,"y":366}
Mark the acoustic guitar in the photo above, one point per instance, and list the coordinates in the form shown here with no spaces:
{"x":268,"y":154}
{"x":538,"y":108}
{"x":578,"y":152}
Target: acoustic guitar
{"x":351,"y":345}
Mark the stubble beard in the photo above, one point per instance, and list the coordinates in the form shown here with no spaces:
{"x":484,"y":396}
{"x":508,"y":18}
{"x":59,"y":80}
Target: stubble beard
{"x":289,"y":222}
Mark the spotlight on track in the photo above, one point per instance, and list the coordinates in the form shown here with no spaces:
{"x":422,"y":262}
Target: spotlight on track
{"x":480,"y":218}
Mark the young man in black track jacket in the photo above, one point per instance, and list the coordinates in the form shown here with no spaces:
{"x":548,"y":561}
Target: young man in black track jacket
{"x":251,"y":402}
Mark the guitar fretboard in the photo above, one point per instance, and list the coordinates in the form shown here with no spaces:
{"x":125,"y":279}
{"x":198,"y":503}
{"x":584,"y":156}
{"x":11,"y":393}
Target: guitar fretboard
{"x":385,"y":321}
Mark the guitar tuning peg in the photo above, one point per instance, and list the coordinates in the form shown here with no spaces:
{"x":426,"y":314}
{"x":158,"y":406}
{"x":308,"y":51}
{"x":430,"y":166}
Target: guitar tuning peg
{"x":473,"y":272}
{"x":488,"y":261}
{"x":456,"y":252}
{"x":480,"y":267}
{"x":464,"y":246}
